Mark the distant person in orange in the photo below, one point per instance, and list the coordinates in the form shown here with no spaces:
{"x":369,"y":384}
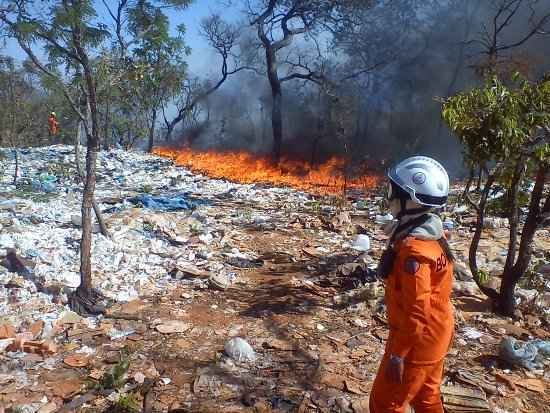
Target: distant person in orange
{"x":418,"y":270}
{"x":53,"y":124}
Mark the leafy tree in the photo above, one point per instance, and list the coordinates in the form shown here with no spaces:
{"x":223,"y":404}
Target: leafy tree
{"x":143,"y":69}
{"x":507,"y":129}
{"x":68,"y":33}
{"x":157,"y":61}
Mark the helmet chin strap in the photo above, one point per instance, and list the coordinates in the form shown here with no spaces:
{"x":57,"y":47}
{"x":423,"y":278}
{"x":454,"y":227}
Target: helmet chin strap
{"x":413,"y":211}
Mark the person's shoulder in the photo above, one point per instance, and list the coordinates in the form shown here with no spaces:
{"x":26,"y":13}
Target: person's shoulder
{"x":421,"y":249}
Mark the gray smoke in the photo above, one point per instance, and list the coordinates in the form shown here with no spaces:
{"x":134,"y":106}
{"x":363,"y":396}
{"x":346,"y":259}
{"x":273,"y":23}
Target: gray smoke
{"x":393,"y":110}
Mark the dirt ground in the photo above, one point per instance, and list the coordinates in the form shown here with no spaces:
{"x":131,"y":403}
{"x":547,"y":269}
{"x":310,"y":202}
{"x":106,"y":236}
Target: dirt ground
{"x":309,"y":308}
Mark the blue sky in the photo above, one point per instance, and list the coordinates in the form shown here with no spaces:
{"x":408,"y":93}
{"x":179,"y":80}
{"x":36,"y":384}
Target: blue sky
{"x":191,"y":17}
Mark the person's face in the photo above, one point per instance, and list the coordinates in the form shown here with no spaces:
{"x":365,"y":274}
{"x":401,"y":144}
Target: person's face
{"x":393,"y":204}
{"x":395,"y":207}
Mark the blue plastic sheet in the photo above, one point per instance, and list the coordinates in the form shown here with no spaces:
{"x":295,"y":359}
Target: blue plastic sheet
{"x":528,"y":355}
{"x":44,"y":183}
{"x":164,"y":203}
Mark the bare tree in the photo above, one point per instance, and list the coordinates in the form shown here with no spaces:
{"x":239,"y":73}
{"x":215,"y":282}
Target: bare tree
{"x":278,"y":23}
{"x":223,"y":38}
{"x":500,"y":36}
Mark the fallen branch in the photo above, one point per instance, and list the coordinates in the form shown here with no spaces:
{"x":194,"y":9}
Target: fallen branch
{"x":148,"y":395}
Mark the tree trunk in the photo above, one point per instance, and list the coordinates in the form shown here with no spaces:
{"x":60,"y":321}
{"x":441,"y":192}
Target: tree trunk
{"x":151,"y":143}
{"x":472,"y":257}
{"x":513,"y":213}
{"x":85,"y":299}
{"x":507,"y":303}
{"x":468,"y":183}
{"x":97,"y":210}
{"x":16,"y":167}
{"x":479,"y":179}
{"x":107,"y":125}
{"x":277,"y":125}
{"x":277,"y":97}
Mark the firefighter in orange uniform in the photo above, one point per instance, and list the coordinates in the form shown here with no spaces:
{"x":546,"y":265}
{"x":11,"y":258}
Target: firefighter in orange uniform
{"x":418,"y":270}
{"x":53,"y":124}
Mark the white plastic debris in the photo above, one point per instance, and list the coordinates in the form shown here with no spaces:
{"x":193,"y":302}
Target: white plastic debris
{"x":471,"y":333}
{"x":361,"y":243}
{"x":139,"y":377}
{"x":239,"y":350}
{"x":448,"y":224}
{"x":383,"y":219}
{"x":495,"y":222}
{"x":5,"y":343}
{"x":117,"y":334}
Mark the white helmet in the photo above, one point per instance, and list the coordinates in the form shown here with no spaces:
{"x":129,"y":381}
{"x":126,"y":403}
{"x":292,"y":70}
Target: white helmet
{"x":424,"y":179}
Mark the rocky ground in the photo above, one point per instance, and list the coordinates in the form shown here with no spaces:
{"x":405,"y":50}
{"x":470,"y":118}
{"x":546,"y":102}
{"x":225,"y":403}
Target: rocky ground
{"x":239,"y":298}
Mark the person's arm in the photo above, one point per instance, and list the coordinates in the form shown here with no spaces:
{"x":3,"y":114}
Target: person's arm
{"x":414,"y":274}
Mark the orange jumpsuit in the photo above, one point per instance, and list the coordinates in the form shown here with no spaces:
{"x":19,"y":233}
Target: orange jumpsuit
{"x":53,"y":125}
{"x":421,"y":324}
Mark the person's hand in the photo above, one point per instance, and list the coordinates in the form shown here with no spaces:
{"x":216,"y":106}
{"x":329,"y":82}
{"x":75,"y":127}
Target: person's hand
{"x":395,"y":369}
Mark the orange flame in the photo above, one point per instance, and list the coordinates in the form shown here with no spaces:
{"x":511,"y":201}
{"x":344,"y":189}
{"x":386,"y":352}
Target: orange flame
{"x":246,"y":168}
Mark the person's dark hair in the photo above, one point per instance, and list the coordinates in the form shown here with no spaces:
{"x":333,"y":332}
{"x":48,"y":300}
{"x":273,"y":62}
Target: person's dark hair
{"x":447,"y":249}
{"x":398,"y":193}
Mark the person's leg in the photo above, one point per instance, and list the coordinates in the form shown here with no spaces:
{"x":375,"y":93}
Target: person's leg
{"x":428,"y":399}
{"x":389,"y":397}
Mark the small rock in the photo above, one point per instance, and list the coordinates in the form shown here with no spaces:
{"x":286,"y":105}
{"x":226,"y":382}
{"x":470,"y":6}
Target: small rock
{"x":239,"y":350}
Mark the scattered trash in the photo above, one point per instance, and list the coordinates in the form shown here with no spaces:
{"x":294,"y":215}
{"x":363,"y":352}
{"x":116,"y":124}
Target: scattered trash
{"x":139,"y":377}
{"x":495,"y":223}
{"x":33,"y":347}
{"x":535,"y":385}
{"x":68,"y":317}
{"x":362,"y":243}
{"x":76,"y":360}
{"x":222,"y":281}
{"x":459,"y":399}
{"x":239,"y":350}
{"x":383,"y":219}
{"x":471,"y":333}
{"x":449,"y":224}
{"x":173,"y":326}
{"x":174,"y":203}
{"x":529,"y":355}
{"x":117,"y":335}
{"x":7,"y":331}
{"x":187,"y":254}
